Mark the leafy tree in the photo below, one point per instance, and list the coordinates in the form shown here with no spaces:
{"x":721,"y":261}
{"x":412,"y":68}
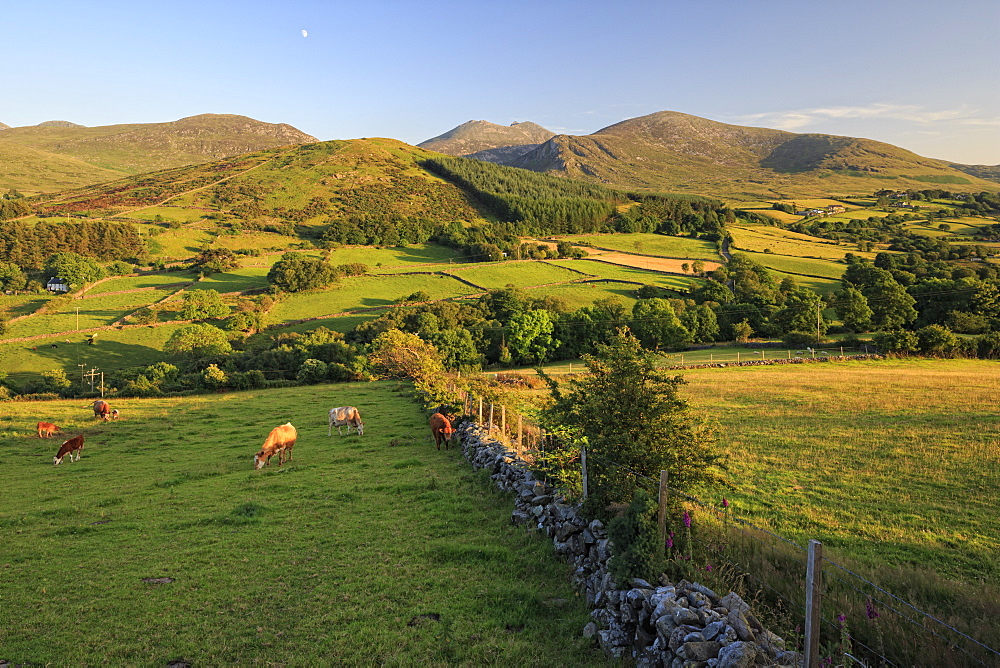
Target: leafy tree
{"x":198,"y":340}
{"x":211,"y":260}
{"x":530,"y":335}
{"x":635,"y":423}
{"x":295,"y":272}
{"x":853,"y":310}
{"x":799,"y":313}
{"x":203,"y":304}
{"x":312,"y":371}
{"x":891,"y":304}
{"x":11,"y":277}
{"x":742,"y":331}
{"x":213,"y":377}
{"x":896,"y":341}
{"x":74,"y":268}
{"x":657,"y":325}
{"x":936,"y":340}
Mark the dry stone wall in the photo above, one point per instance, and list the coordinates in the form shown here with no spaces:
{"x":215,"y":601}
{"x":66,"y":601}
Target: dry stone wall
{"x":674,"y":625}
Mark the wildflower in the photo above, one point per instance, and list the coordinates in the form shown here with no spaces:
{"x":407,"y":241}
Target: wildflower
{"x":670,"y":540}
{"x":841,"y":618}
{"x":687,"y":520}
{"x":725,"y":504}
{"x":708,"y":567}
{"x":870,"y":609}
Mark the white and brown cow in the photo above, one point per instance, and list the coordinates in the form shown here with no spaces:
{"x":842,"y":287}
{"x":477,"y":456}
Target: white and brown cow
{"x":74,"y":444}
{"x":102,"y":410}
{"x":345,"y":415}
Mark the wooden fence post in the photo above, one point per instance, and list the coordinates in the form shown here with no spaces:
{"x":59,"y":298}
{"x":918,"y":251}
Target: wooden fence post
{"x":480,"y":418}
{"x":814,"y":576}
{"x":503,"y":420}
{"x":520,"y":433}
{"x":491,"y":417}
{"x":583,"y":467}
{"x":662,"y":518}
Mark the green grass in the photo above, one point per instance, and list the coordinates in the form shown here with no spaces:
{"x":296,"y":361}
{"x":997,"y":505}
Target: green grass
{"x":650,"y":244}
{"x":623,"y":273}
{"x":169,"y":279}
{"x":783,"y":242}
{"x":364,"y":292}
{"x":799,"y":265}
{"x":882,"y":461}
{"x":361,"y":550}
{"x":521,"y":274}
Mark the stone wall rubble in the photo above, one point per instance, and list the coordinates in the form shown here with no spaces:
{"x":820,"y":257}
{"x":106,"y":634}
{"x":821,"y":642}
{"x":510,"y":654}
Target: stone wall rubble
{"x":674,"y":625}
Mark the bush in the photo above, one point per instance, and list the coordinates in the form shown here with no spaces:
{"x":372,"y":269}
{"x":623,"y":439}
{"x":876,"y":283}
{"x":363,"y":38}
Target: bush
{"x":798,"y":339}
{"x":635,"y":536}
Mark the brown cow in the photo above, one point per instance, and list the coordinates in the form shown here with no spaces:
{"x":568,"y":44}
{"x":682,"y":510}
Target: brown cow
{"x":46,"y":429}
{"x":102,"y":410}
{"x":442,"y":430}
{"x":74,"y":444}
{"x":279,"y":441}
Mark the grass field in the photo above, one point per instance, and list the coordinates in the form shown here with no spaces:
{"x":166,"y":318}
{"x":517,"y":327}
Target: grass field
{"x":519,"y":274}
{"x":622,"y":273}
{"x":364,"y":292}
{"x":651,"y":244}
{"x":799,"y":265}
{"x":162,"y":544}
{"x":783,"y":242}
{"x":876,"y":459}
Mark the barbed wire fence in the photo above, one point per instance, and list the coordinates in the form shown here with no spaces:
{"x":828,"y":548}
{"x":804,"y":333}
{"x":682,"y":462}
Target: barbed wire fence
{"x":857,"y":621}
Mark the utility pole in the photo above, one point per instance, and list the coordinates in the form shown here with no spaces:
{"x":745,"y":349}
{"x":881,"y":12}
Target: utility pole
{"x":78,"y":318}
{"x":83,"y":377}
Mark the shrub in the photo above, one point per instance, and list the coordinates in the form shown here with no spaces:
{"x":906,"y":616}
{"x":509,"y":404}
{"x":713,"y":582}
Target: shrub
{"x":635,"y":536}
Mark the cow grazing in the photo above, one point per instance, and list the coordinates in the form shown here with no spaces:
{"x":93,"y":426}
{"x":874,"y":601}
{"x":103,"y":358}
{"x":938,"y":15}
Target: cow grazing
{"x":442,"y":430}
{"x":74,"y":444}
{"x":279,"y":442}
{"x":46,"y":429}
{"x":102,"y":410}
{"x":345,"y":415}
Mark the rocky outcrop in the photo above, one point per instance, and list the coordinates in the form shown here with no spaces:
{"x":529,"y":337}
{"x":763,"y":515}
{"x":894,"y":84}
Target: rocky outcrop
{"x":680,"y":625}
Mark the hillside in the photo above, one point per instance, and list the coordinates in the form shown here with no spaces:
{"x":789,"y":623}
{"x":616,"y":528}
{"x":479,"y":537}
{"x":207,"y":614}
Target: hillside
{"x":484,"y":140}
{"x":58,"y":155}
{"x":671,"y":151}
{"x":986,"y":172}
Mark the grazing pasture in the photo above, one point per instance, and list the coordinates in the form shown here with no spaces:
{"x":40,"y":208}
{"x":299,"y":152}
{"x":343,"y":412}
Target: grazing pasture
{"x":650,"y":244}
{"x":521,"y":274}
{"x":163,"y":544}
{"x":784,"y":242}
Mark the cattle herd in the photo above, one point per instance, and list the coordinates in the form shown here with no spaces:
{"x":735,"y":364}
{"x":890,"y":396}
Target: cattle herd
{"x":279,"y":442}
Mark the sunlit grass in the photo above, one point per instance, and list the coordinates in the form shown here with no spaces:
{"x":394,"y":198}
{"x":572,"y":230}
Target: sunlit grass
{"x":361,"y":550}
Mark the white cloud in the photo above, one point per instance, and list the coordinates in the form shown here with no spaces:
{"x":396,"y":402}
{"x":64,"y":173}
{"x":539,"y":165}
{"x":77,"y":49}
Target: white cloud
{"x":815,"y":117}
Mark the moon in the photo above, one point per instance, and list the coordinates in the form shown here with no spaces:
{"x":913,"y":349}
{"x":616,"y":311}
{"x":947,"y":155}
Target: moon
{"x":305,"y":33}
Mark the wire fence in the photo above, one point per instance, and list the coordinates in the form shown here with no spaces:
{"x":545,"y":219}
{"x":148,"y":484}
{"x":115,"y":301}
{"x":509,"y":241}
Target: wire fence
{"x":861,"y":623}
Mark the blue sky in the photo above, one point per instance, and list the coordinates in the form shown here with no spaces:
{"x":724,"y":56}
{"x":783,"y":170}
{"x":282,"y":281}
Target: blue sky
{"x":920,"y":74}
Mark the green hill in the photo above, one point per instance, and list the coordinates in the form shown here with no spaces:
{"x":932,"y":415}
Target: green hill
{"x":671,"y":151}
{"x":56,"y":155}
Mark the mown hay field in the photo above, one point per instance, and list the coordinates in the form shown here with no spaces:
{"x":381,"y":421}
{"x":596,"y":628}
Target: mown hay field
{"x":162,"y":544}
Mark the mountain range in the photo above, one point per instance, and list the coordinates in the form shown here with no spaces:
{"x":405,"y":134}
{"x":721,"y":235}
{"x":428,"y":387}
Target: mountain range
{"x":57,"y":155}
{"x":672,"y":151}
{"x":664,"y":152}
